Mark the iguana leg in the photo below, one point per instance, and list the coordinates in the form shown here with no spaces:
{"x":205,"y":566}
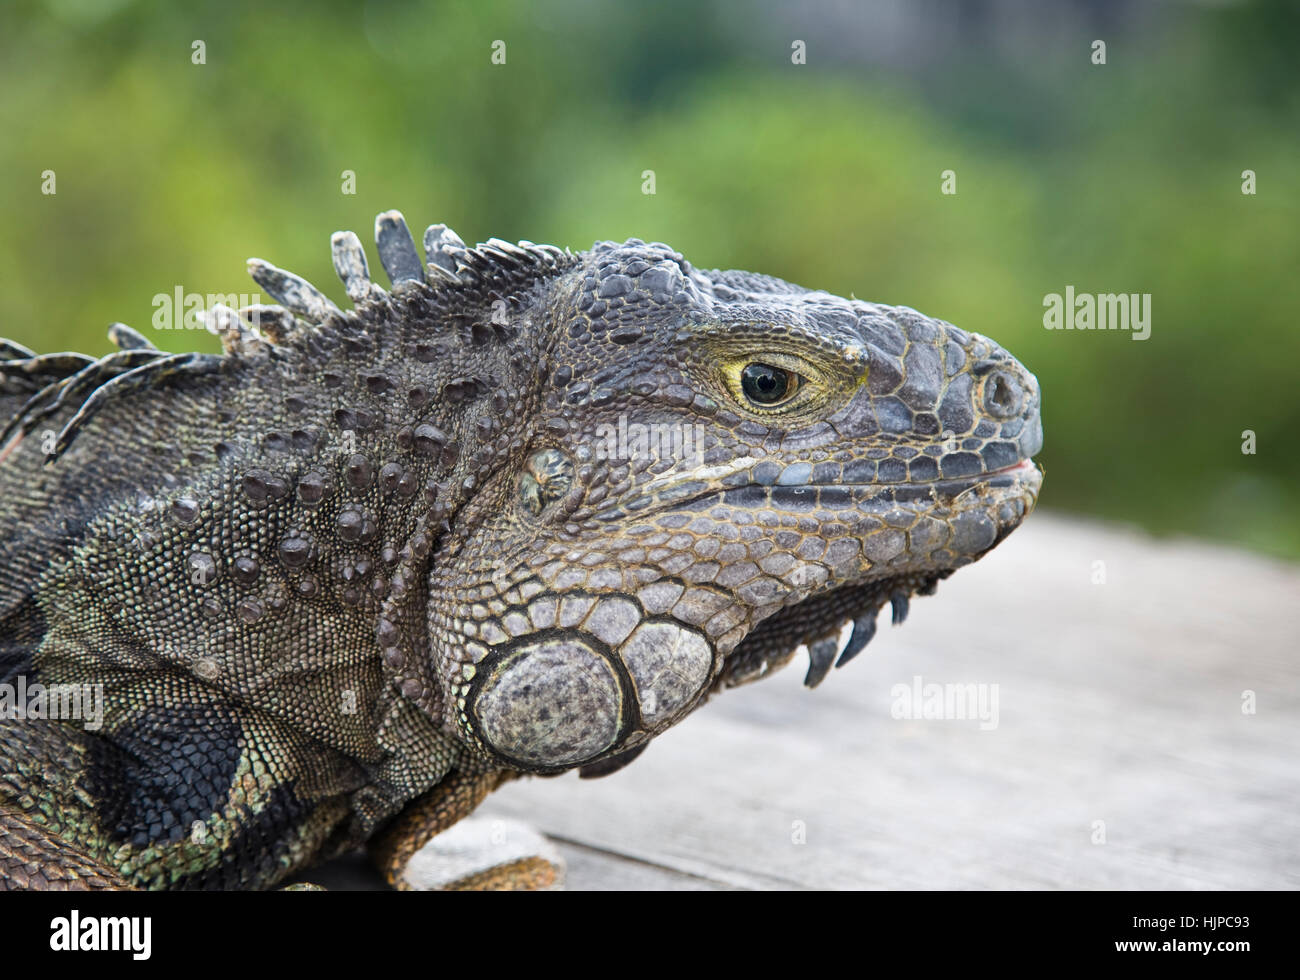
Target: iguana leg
{"x":453,"y":798}
{"x":479,"y":863}
{"x":485,"y":854}
{"x":31,"y":858}
{"x":531,"y":874}
{"x":160,"y":799}
{"x":41,"y":808}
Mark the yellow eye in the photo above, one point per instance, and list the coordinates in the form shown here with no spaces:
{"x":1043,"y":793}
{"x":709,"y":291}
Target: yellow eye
{"x":767,"y":385}
{"x":774,"y":383}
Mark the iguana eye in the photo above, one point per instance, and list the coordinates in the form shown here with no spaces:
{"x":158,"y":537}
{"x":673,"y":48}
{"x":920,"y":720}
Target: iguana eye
{"x":766,"y":385}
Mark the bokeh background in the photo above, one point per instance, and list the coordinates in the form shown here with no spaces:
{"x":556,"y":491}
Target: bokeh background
{"x":1117,"y":178}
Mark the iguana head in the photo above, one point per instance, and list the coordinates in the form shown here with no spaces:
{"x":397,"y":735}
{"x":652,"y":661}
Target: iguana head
{"x":707,"y":471}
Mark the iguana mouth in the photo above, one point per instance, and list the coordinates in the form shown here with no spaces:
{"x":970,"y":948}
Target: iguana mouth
{"x":1024,"y":466}
{"x":818,"y":624}
{"x":692,"y":492}
{"x":820,"y":621}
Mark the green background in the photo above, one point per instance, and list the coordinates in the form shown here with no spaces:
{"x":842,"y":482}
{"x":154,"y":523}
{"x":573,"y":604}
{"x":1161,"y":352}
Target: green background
{"x":1123,"y":177}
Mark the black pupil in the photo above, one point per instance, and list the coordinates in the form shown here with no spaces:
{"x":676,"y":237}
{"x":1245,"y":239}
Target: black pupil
{"x":764,"y":384}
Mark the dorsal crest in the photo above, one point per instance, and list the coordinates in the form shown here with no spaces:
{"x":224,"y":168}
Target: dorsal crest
{"x":495,"y":269}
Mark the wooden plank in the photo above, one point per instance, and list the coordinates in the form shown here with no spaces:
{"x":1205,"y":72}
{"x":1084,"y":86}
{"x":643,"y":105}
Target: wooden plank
{"x":591,"y":869}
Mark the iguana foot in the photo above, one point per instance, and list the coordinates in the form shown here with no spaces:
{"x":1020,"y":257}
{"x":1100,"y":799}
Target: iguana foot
{"x":485,"y":854}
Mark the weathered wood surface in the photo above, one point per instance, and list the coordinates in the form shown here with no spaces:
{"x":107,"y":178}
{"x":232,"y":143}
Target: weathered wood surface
{"x":1118,"y":702}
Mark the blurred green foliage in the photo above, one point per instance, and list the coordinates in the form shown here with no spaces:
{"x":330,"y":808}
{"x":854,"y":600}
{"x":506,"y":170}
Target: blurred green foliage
{"x":1123,"y":177}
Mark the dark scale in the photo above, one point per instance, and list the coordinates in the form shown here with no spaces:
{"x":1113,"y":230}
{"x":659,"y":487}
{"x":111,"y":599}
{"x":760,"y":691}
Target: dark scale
{"x":163,"y":770}
{"x":359,"y":472}
{"x":245,"y":569}
{"x":295,"y":550}
{"x":312,"y":487}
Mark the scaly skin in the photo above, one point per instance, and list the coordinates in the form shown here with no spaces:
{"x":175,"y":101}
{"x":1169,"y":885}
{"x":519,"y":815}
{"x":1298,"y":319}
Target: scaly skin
{"x":518,"y":515}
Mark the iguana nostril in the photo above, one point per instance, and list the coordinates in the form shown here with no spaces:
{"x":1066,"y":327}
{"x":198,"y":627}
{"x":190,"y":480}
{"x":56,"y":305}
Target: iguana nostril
{"x":1001,"y":395}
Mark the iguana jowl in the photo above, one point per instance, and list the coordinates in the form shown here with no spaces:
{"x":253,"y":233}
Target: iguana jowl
{"x":339,"y":582}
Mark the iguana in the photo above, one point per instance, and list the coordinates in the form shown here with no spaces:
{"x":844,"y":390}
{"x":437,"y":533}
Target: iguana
{"x":518,"y":514}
